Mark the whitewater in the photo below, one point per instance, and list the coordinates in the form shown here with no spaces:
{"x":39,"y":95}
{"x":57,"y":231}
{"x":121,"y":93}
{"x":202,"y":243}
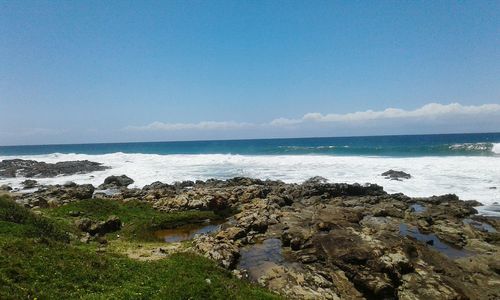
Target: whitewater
{"x":470,"y":177}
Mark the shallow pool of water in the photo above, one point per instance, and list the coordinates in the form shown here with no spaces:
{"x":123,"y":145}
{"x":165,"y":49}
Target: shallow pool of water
{"x":187,"y":232}
{"x":417,"y":208}
{"x":107,"y":192}
{"x":485,"y":227}
{"x":258,"y":258}
{"x":432,"y":241}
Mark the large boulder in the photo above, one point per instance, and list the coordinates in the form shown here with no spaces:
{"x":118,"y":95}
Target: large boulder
{"x":221,"y":250}
{"x":29,"y":183}
{"x":5,"y":188}
{"x":112,"y":224}
{"x":116,"y":181}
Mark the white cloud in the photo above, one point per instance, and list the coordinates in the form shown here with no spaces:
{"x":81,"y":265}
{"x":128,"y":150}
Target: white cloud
{"x":427,"y":112}
{"x":431,"y":110}
{"x":284,"y":122}
{"x":205,"y":125}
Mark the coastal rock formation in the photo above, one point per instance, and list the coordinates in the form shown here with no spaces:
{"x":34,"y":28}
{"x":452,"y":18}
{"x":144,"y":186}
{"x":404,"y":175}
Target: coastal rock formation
{"x":396,"y":175}
{"x":55,"y":195}
{"x":5,"y":188}
{"x":112,"y":224}
{"x":31,"y":168}
{"x":116,"y":182}
{"x":29,"y":183}
{"x":320,"y":240}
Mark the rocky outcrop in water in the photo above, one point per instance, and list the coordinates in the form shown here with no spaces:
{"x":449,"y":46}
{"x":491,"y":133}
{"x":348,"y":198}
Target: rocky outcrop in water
{"x":396,"y":175}
{"x":116,"y":182}
{"x":29,"y":183}
{"x":31,"y":168}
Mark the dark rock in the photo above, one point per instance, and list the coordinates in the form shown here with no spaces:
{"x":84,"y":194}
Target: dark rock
{"x":74,"y":213}
{"x":112,"y":224}
{"x":83,"y":224}
{"x":31,"y":168}
{"x":316,"y":180}
{"x":101,"y":240}
{"x":69,"y":184}
{"x":396,"y":175}
{"x":5,"y":188}
{"x":29,"y":183}
{"x":116,"y":181}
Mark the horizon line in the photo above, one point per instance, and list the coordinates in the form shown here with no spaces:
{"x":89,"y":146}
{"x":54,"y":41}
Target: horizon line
{"x":247,"y":139}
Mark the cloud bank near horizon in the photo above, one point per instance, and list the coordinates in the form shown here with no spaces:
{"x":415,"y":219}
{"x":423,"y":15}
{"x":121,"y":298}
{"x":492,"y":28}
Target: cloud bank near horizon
{"x":432,"y":118}
{"x":429,"y":112}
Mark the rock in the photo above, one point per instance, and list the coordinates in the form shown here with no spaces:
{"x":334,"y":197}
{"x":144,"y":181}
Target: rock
{"x":86,"y":238}
{"x":5,"y":188}
{"x":316,"y":180}
{"x":223,"y":251}
{"x":30,"y":168}
{"x":338,"y":241}
{"x":116,"y":181}
{"x":74,"y":213}
{"x":83,"y":224}
{"x":112,"y":224}
{"x":232,"y":233}
{"x":396,"y":175}
{"x":29,"y":183}
{"x":70,"y":184}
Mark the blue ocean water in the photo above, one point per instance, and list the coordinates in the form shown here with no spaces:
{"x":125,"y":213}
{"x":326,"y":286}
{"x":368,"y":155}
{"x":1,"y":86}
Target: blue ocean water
{"x":477,"y":144}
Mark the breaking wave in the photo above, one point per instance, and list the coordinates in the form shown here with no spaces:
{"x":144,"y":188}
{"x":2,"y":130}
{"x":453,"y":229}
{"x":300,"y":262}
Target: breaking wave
{"x":470,"y":177}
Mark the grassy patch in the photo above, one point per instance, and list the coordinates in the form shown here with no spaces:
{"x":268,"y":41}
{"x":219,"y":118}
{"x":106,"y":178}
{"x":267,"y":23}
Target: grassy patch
{"x":31,"y":225}
{"x":140,"y":219}
{"x":51,"y":268}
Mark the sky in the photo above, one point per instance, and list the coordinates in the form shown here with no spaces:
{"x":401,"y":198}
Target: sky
{"x":117,"y":71}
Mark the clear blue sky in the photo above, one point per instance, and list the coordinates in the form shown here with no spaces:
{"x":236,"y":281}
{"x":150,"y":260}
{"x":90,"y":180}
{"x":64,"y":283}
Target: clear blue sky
{"x":97,"y":71}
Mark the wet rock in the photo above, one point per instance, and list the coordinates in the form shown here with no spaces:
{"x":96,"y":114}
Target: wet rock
{"x":396,"y":175}
{"x":70,"y":184}
{"x":29,"y":183}
{"x":30,"y":168}
{"x":116,"y":181}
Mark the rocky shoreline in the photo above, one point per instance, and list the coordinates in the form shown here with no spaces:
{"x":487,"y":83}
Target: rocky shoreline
{"x":320,"y":240}
{"x":11,"y":168}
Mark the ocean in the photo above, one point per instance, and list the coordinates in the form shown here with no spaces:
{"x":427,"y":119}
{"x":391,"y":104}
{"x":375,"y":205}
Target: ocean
{"x":464,"y":164}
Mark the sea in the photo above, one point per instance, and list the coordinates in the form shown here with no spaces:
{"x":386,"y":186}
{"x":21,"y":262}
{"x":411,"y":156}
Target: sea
{"x":464,"y":164}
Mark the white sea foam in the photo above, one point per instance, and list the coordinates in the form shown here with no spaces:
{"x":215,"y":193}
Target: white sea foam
{"x":470,"y":177}
{"x":496,"y":148}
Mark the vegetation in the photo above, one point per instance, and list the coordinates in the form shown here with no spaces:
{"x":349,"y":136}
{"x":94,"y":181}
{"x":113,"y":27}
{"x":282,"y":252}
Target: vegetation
{"x":140,"y":219}
{"x":38,"y":260}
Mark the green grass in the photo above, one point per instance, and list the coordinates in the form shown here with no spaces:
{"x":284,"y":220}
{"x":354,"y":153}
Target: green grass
{"x":37,"y":261}
{"x":139,"y":218}
{"x":31,"y":225}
